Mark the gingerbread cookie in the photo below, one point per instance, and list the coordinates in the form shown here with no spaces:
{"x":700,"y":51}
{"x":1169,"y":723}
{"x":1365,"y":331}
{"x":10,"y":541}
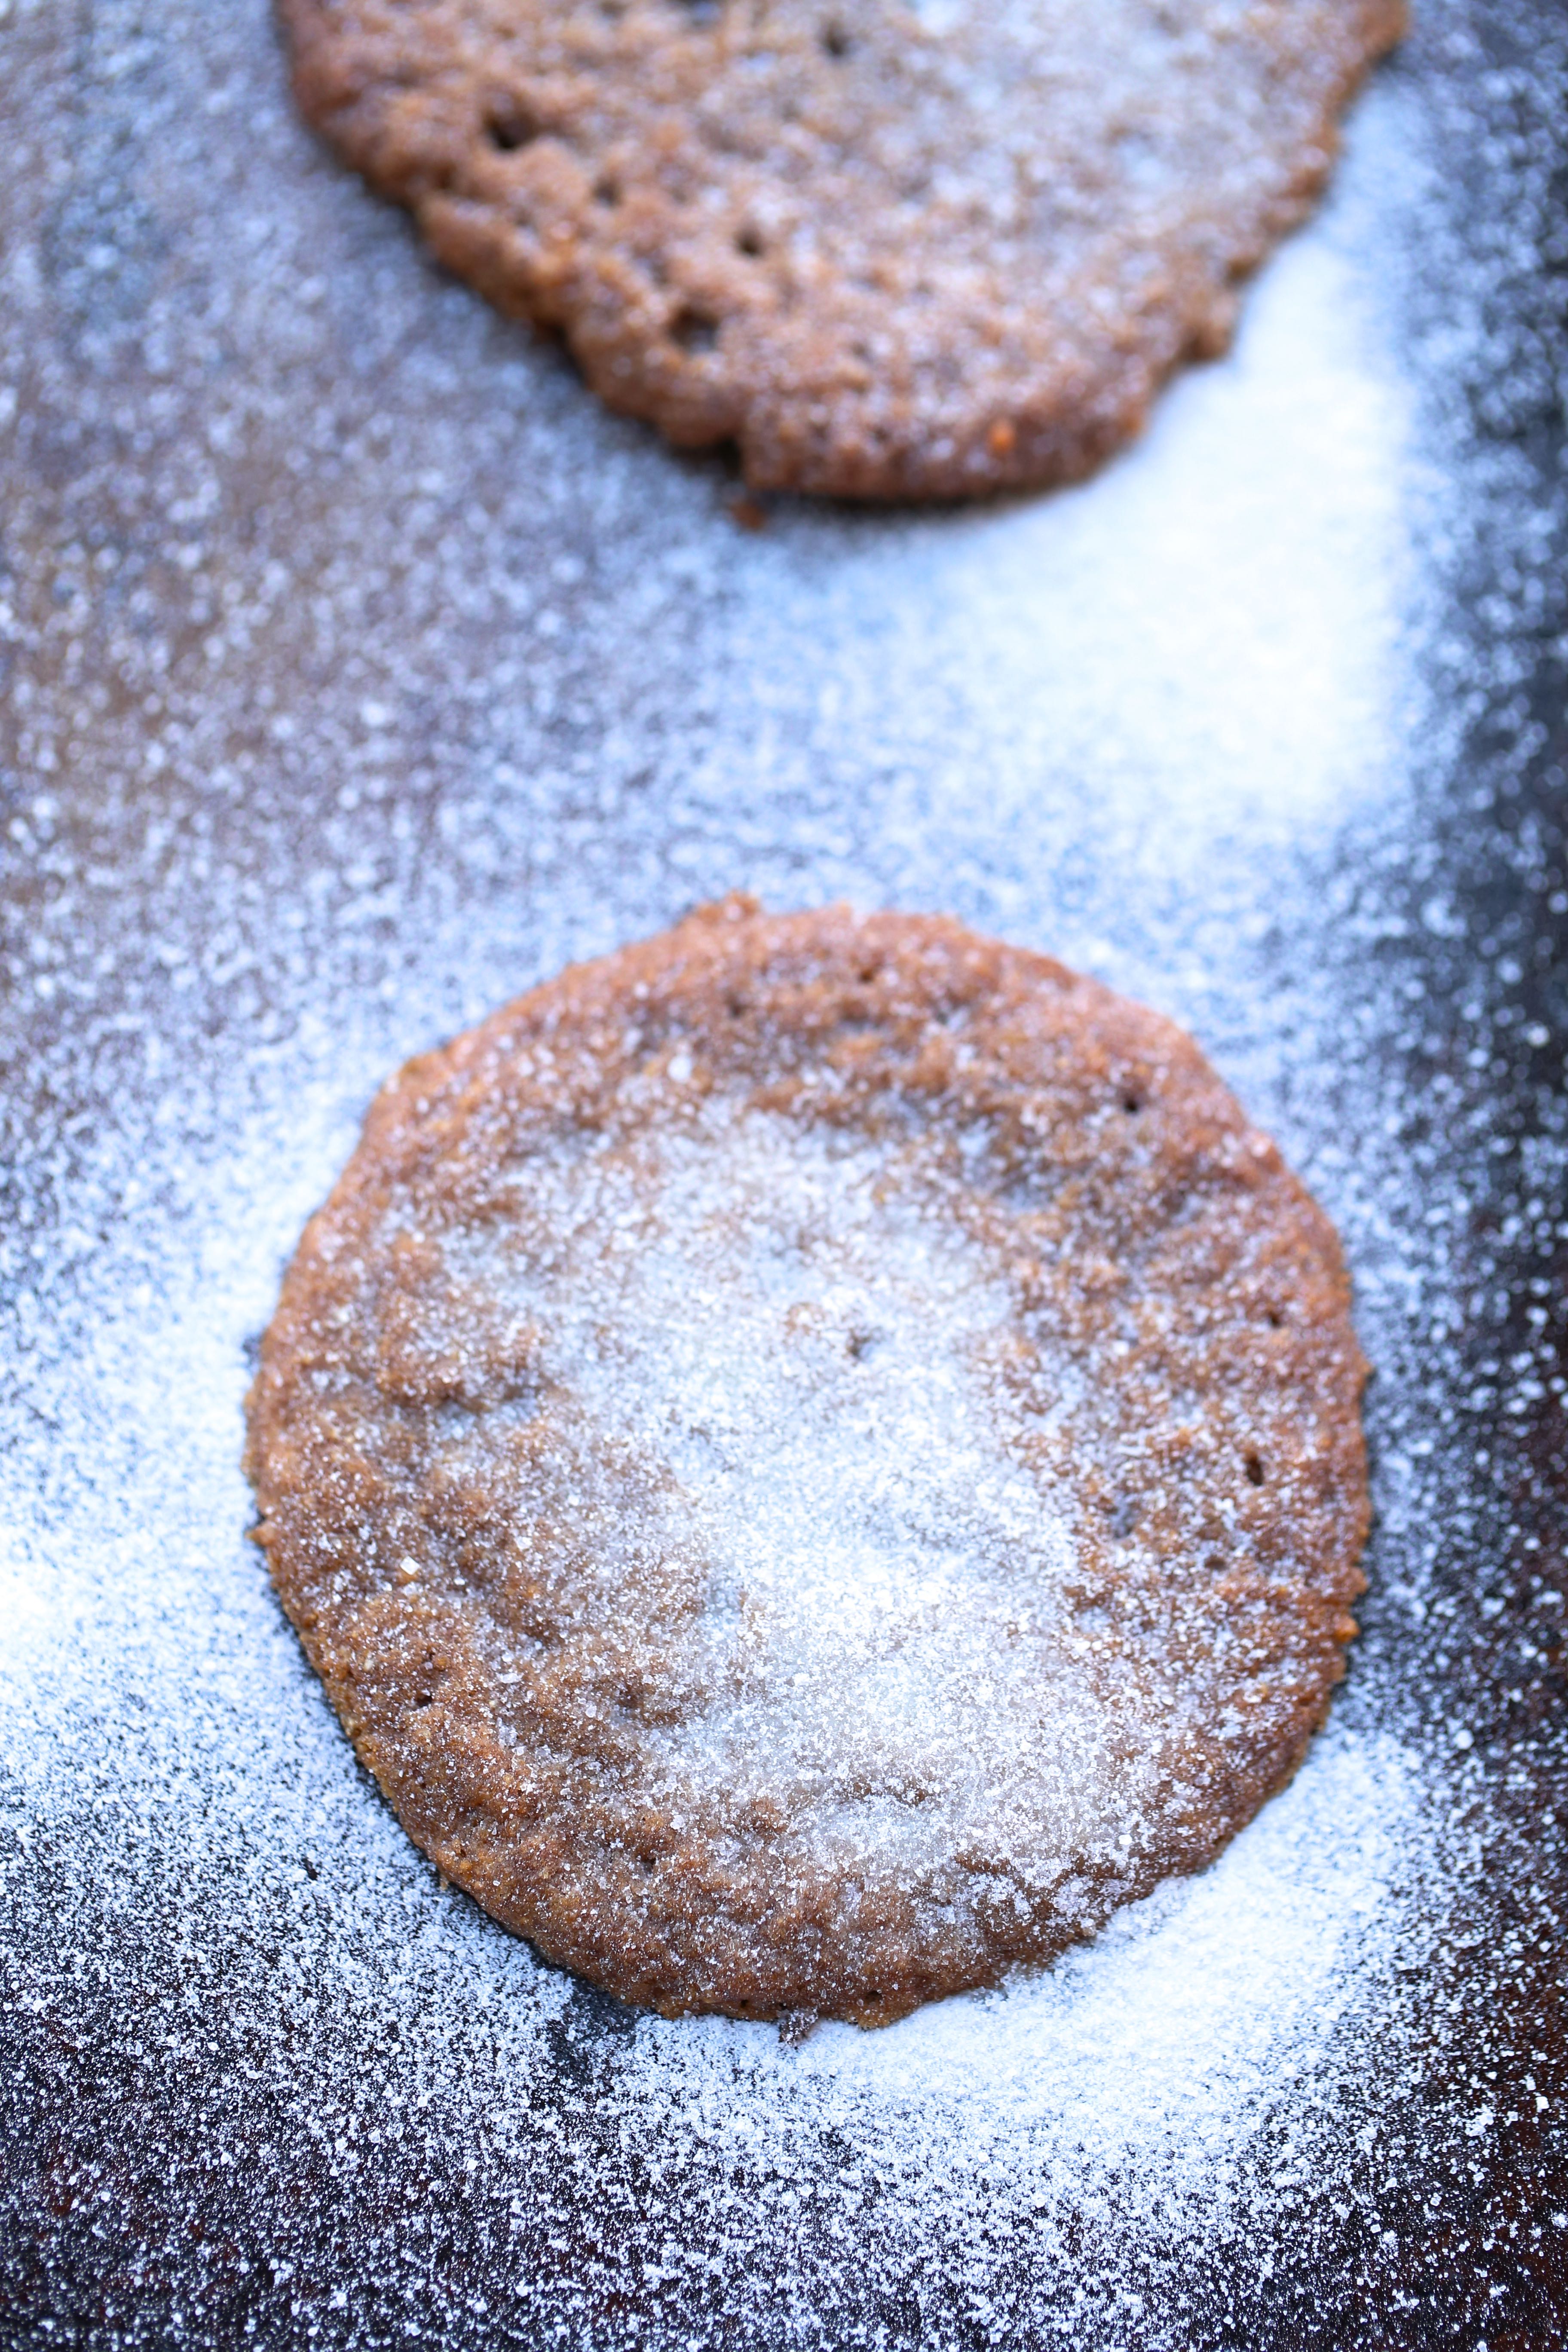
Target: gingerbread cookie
{"x":815,"y":1456}
{"x":891,"y":251}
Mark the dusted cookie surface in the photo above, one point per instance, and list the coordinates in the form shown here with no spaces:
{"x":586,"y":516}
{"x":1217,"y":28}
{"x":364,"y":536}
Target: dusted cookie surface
{"x":815,"y":1456}
{"x":890,"y":250}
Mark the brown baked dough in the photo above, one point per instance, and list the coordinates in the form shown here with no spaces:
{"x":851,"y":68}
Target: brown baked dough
{"x":892,"y":251}
{"x":815,"y":1456}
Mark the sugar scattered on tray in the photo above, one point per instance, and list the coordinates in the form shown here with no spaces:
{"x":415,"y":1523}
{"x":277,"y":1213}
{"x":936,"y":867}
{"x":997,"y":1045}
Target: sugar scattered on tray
{"x":343,"y":704}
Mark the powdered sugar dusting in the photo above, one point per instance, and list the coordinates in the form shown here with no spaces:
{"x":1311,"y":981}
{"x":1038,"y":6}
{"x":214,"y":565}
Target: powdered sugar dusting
{"x":807,"y":1358}
{"x":793,"y":1343}
{"x":359,"y":671}
{"x":1160,"y":2046}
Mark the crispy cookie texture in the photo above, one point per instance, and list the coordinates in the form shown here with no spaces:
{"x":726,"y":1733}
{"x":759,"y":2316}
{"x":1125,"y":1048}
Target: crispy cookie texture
{"x":815,"y":1456}
{"x":891,"y":251}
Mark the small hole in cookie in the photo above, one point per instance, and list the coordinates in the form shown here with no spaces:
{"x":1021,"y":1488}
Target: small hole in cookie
{"x":1253,"y":1465}
{"x":1131,"y":1105}
{"x":647,"y":1863}
{"x":751,"y":243}
{"x":608,"y":194}
{"x":1125,"y":1513}
{"x":694,"y":330}
{"x":1274,"y":1320}
{"x":508,"y":125}
{"x":861,"y":1344}
{"x":835,"y":41}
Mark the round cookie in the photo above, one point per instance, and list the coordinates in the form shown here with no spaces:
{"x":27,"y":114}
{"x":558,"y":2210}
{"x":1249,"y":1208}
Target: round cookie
{"x":815,"y":1456}
{"x":891,"y":251}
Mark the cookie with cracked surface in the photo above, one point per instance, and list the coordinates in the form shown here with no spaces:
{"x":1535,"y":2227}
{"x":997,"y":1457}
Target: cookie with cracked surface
{"x":891,"y":251}
{"x":815,"y":1456}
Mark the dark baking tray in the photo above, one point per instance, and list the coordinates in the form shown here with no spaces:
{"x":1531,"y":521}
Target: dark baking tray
{"x":357,"y":671}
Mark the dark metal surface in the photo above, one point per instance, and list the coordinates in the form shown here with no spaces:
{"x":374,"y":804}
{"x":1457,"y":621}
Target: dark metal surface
{"x":357,"y":671}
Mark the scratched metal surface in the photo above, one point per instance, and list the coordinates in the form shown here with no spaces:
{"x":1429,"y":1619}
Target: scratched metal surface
{"x":357,"y":670}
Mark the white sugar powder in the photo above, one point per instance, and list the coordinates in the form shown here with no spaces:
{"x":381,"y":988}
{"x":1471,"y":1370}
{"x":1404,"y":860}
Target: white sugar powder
{"x":792,"y":1338}
{"x":361,"y":672}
